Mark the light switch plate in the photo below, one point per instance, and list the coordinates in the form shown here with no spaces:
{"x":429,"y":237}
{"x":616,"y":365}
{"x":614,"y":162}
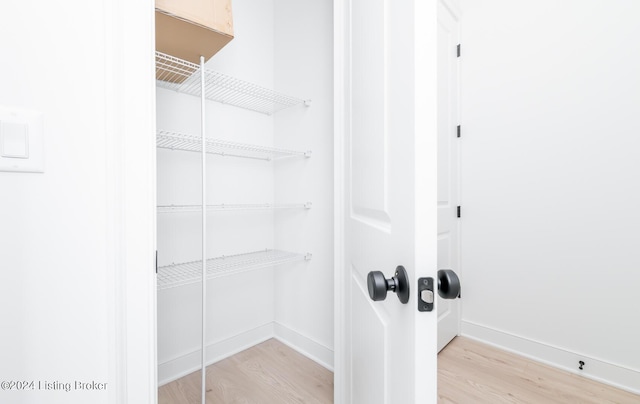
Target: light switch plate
{"x":14,"y":140}
{"x":21,"y":140}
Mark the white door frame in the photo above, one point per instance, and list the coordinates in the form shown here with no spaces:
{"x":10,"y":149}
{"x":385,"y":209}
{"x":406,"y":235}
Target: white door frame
{"x":129,"y":32}
{"x":340,"y":393}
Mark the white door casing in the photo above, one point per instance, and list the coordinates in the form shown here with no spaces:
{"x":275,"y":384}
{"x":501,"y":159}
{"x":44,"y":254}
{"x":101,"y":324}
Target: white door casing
{"x":131,"y":187}
{"x":386,"y":129}
{"x":448,"y":165}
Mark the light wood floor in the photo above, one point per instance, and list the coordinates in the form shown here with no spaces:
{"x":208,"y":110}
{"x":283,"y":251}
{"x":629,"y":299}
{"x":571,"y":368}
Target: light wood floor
{"x":268,"y":373}
{"x":472,"y":372}
{"x":468,"y":373}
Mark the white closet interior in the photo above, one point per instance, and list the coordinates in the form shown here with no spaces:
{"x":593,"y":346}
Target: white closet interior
{"x":269,"y":190}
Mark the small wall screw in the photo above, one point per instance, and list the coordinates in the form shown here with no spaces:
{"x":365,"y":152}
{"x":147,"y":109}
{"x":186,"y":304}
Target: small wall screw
{"x":580,"y":364}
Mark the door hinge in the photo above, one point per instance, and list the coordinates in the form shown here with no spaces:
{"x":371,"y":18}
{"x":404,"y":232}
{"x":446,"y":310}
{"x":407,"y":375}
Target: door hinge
{"x":458,"y":50}
{"x":458,"y":130}
{"x":156,"y":261}
{"x":459,"y":211}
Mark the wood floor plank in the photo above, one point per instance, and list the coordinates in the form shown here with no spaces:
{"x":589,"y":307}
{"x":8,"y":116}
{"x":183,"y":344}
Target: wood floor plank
{"x":185,"y":390}
{"x":227,"y":382}
{"x":267,"y":373}
{"x":472,"y":372}
{"x":468,"y":372}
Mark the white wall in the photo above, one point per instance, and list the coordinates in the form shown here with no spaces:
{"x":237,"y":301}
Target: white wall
{"x":53,"y":226}
{"x":550,"y":257}
{"x":304,"y":68}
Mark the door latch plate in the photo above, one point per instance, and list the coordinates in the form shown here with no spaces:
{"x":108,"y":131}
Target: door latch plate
{"x":425,"y":294}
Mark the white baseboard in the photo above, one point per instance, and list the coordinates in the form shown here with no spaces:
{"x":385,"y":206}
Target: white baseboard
{"x":179,"y":367}
{"x":608,"y":373}
{"x":191,"y":362}
{"x":304,"y":345}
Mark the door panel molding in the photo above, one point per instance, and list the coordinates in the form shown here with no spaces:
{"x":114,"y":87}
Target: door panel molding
{"x":369,"y":130}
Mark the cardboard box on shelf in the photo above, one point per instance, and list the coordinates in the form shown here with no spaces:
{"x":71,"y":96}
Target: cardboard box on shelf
{"x":188,"y":29}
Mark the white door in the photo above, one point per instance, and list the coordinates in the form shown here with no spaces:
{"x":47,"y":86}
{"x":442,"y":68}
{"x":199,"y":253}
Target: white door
{"x":448,"y":167}
{"x":386,"y":112}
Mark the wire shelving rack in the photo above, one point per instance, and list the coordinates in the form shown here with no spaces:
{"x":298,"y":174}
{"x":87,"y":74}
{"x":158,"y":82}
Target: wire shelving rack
{"x":185,"y":142}
{"x":183,"y":76}
{"x":232,"y":207}
{"x":175,"y":275}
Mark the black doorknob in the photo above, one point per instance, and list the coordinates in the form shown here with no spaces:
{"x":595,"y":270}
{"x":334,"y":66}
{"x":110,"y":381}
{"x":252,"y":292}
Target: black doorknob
{"x":448,"y":284}
{"x":378,"y":285}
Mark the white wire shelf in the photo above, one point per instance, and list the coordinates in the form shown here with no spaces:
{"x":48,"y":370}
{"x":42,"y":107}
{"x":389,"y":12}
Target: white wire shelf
{"x":232,"y":207}
{"x":175,"y":275}
{"x":183,"y":76}
{"x":184,"y":142}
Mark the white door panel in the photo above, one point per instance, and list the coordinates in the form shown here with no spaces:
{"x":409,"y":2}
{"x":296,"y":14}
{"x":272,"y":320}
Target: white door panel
{"x":390,"y":198}
{"x":370,"y":330}
{"x":448,"y":168}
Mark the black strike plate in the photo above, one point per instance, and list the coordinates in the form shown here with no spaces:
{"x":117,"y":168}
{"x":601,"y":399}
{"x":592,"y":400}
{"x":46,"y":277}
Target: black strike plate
{"x":426,"y":285}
